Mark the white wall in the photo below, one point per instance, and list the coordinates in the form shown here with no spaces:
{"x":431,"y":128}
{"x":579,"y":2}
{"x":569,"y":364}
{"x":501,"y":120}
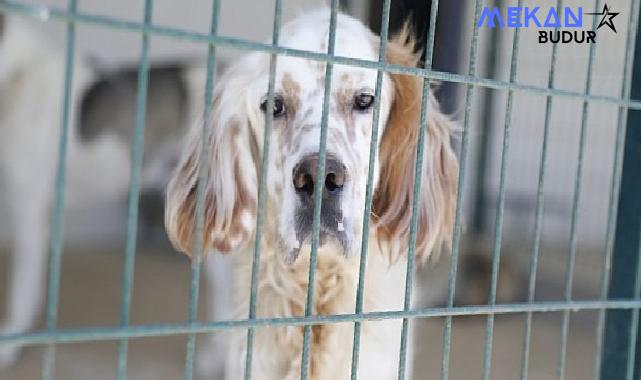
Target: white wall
{"x":247,"y":19}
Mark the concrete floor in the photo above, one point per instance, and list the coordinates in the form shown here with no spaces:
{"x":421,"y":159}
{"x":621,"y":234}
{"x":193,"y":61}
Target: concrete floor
{"x":90,"y":296}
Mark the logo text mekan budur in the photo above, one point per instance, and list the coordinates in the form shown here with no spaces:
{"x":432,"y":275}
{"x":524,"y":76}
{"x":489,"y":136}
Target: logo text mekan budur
{"x":560,"y":19}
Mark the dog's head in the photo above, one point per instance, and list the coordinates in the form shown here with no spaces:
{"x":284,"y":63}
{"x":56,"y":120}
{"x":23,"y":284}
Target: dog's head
{"x":235,"y":147}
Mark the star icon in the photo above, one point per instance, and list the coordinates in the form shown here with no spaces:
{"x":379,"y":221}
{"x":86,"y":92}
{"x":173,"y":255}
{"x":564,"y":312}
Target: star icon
{"x":606,"y":18}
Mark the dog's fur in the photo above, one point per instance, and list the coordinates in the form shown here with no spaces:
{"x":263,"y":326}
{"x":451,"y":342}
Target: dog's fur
{"x":31,"y":83}
{"x":234,"y":145}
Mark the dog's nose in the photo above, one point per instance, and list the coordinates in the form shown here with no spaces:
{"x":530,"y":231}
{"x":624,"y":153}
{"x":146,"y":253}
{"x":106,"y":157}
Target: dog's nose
{"x":306,"y":178}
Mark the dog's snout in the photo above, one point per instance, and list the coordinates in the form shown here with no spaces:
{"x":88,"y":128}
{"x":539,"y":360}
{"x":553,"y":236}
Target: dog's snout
{"x":305,"y":181}
{"x":305,"y":177}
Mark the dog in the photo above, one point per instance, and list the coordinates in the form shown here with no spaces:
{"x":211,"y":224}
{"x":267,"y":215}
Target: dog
{"x":101,"y":125}
{"x":234,"y":140}
{"x":31,"y":83}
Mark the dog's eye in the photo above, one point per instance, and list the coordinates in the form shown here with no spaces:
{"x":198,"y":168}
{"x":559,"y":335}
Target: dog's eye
{"x":279,"y":106}
{"x":363,"y":101}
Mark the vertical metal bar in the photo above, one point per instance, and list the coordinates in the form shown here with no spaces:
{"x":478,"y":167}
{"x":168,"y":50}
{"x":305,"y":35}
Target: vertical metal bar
{"x":57,"y":233}
{"x":569,"y":275}
{"x":382,"y":52}
{"x":194,"y":286}
{"x":634,"y":328}
{"x":134,"y":190}
{"x":614,"y":191}
{"x":538,"y":218}
{"x":616,"y":359}
{"x":498,"y":230}
{"x":309,"y":305}
{"x":261,"y":190}
{"x":447,"y":331}
{"x":488,"y":119}
{"x":411,"y":254}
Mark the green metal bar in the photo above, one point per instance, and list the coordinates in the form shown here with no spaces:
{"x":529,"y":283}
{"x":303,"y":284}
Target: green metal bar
{"x":193,"y":327}
{"x":538,"y":218}
{"x":134,"y":190}
{"x":411,"y":255}
{"x":569,"y":275}
{"x":487,"y":119}
{"x":369,"y":190}
{"x":619,"y":333}
{"x":498,"y":229}
{"x":634,"y":328}
{"x":203,"y":174}
{"x":456,"y":238}
{"x":143,"y":331}
{"x":176,"y":33}
{"x":318,"y":190}
{"x":615,"y":187}
{"x":420,"y":146}
{"x":261,"y":190}
{"x":57,"y":233}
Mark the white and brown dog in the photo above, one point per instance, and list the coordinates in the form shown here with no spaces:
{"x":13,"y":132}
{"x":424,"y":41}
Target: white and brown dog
{"x":236,"y":129}
{"x":31,"y":83}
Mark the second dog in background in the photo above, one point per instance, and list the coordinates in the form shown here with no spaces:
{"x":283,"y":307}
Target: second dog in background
{"x":101,"y":127}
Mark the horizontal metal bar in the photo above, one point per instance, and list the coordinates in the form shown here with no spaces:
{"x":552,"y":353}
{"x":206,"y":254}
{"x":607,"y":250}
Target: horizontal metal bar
{"x":47,"y":13}
{"x":143,"y":331}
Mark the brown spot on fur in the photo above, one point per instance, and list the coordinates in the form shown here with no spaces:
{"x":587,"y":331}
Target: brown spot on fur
{"x":291,"y":92}
{"x":235,"y":129}
{"x":344,"y":103}
{"x":253,"y":146}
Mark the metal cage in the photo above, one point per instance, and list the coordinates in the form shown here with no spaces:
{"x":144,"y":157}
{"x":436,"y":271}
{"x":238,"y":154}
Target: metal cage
{"x":619,"y":300}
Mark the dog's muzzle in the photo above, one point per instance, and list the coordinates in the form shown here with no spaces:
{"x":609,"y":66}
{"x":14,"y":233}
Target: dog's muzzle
{"x":305,"y":182}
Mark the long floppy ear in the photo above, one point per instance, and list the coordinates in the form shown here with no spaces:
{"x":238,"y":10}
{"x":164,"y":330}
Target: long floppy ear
{"x":231,"y":166}
{"x":393,"y":199}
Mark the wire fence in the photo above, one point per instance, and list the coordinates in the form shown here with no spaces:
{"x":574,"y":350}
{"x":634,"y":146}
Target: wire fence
{"x":192,"y":326}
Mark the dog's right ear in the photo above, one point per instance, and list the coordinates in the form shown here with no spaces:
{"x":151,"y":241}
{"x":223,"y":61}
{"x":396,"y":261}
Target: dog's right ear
{"x":231,"y":172}
{"x":393,"y":200}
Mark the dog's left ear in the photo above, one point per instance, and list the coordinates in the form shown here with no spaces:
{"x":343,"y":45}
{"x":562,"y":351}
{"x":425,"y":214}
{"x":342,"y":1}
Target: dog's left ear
{"x":392,"y":205}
